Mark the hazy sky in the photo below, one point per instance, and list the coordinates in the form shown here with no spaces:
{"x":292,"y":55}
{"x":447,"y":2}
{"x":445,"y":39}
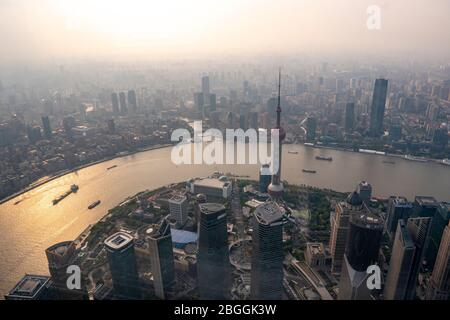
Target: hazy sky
{"x":47,"y":29}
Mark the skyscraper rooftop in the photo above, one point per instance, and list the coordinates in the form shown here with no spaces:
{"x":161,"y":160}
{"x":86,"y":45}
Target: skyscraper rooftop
{"x":209,"y":208}
{"x":354,"y":199}
{"x":268,"y":213}
{"x":118,"y":240}
{"x":426,"y":201}
{"x":29,"y":287}
{"x":401,"y":202}
{"x":61,"y":248}
{"x":368,"y":220}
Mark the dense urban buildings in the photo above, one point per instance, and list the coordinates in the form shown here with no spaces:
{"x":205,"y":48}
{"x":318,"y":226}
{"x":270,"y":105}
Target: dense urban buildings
{"x":171,"y":261}
{"x":115,"y":117}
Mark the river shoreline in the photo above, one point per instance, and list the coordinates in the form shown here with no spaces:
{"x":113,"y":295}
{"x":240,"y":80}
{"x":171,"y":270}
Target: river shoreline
{"x":382,"y":153}
{"x":44,"y":180}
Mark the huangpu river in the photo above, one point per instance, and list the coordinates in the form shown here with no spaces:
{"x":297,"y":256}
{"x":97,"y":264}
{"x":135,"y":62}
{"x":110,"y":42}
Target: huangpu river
{"x":30,"y":226}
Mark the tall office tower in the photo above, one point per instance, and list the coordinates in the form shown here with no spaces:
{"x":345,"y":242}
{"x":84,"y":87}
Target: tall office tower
{"x":441,"y":137}
{"x":243,"y":122}
{"x":32,"y":287}
{"x":161,"y":259}
{"x":205,"y":88}
{"x":419,"y":230}
{"x":115,"y":103}
{"x":34,"y":134}
{"x":233,"y":96}
{"x":439,"y":286}
{"x":213,"y":265}
{"x":395,"y":131}
{"x":212,"y":102}
{"x":425,"y":206}
{"x":122,"y":264}
{"x":123,"y":103}
{"x":275,"y":188}
{"x":82,"y":110}
{"x":178,"y":206}
{"x":246,"y":88}
{"x":68,"y":123}
{"x":400,"y":264}
{"x":199,"y":101}
{"x":311,"y":127}
{"x":60,"y":256}
{"x":47,"y":127}
{"x":349,"y":117}
{"x":378,"y":106}
{"x":353,"y":83}
{"x":215,"y":118}
{"x":264,"y":179}
{"x":340,"y":224}
{"x":253,"y":120}
{"x":398,"y":208}
{"x":267,"y":257}
{"x":132,"y":101}
{"x":363,"y":245}
{"x":111,"y":126}
{"x":438,"y":224}
{"x":230,"y":120}
{"x":364,"y":190}
{"x":340,"y":86}
{"x":6,"y":135}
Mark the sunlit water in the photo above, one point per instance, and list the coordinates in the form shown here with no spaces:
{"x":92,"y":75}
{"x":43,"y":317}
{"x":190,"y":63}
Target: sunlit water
{"x":34,"y":224}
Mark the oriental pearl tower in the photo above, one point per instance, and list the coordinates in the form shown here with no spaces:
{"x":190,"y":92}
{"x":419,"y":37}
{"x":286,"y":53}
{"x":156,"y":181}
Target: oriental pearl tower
{"x":275,"y":188}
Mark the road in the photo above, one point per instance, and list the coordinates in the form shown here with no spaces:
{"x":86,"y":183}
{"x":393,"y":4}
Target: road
{"x":237,"y":210}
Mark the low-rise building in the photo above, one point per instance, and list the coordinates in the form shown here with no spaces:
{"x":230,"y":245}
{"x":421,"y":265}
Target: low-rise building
{"x":317,"y":256}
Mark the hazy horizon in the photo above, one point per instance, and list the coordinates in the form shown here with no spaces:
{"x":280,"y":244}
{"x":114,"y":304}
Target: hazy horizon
{"x":116,"y":29}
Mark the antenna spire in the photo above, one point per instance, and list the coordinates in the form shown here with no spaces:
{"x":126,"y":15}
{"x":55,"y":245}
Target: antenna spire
{"x":279,"y":99}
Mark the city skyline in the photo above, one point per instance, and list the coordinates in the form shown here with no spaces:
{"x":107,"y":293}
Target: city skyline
{"x":134,"y":163}
{"x":118,"y":109}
